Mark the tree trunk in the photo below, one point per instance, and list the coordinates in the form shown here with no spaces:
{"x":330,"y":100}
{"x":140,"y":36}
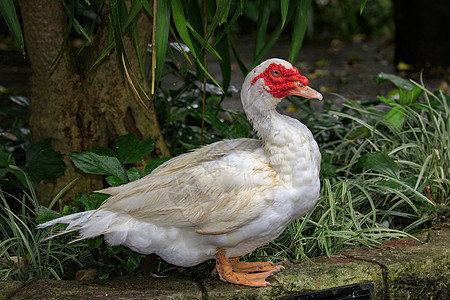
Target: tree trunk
{"x":78,"y":107}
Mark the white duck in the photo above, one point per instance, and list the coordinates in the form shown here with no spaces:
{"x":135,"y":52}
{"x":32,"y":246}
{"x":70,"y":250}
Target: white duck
{"x":226,"y":199}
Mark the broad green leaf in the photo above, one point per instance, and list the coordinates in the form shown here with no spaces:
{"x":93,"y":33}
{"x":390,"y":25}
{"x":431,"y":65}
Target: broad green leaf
{"x":8,"y":11}
{"x":301,"y":22}
{"x":114,"y":180}
{"x":379,"y":162}
{"x":327,"y":169}
{"x":395,"y":80}
{"x":130,"y":149}
{"x":133,"y":174}
{"x":100,"y":161}
{"x":7,"y":161}
{"x":396,"y":117}
{"x":153,"y":164}
{"x":410,"y":96}
{"x":93,"y":201}
{"x":94,"y":243}
{"x":43,"y":162}
{"x":44,"y":214}
{"x":134,"y":260}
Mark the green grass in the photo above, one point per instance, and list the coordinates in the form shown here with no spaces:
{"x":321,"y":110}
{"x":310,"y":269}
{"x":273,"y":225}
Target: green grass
{"x":384,"y":176}
{"x":384,"y":182}
{"x":25,"y":254}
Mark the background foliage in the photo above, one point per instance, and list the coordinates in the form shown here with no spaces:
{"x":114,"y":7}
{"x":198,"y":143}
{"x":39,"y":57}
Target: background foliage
{"x":385,"y":162}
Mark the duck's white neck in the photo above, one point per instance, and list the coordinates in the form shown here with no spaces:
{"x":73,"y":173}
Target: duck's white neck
{"x":288,"y":143}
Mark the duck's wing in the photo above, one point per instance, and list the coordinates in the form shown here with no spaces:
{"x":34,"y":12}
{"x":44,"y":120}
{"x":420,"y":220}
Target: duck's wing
{"x":214,"y":190}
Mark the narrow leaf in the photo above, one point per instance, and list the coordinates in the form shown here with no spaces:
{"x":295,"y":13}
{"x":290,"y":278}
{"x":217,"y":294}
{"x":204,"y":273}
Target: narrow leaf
{"x":263,"y":21}
{"x":9,"y":14}
{"x":301,"y":22}
{"x":284,"y":11}
{"x":162,"y":36}
{"x":223,"y":7}
{"x":179,"y":20}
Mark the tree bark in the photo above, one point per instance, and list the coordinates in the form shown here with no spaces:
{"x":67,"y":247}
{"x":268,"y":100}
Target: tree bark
{"x":79,"y":107}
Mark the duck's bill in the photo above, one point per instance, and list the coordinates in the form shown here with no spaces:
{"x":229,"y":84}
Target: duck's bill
{"x":305,"y":91}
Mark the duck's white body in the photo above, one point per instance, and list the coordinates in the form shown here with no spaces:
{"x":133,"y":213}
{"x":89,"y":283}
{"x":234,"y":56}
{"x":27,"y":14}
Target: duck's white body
{"x":235,"y":194}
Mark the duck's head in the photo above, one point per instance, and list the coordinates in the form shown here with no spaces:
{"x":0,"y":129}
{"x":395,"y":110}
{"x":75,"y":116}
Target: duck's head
{"x":271,"y":81}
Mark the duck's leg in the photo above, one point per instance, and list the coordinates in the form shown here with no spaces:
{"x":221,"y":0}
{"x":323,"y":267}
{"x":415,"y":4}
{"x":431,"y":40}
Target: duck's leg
{"x":250,"y":267}
{"x":224,"y":269}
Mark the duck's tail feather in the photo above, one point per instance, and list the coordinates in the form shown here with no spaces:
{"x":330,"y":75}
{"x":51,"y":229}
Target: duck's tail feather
{"x":89,"y":224}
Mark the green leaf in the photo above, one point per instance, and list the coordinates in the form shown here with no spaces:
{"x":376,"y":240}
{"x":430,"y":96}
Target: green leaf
{"x":396,"y":117}
{"x":363,"y":5}
{"x":162,"y":36}
{"x":94,"y":243}
{"x":116,"y":13}
{"x":8,"y":11}
{"x":301,"y":22}
{"x":203,"y":42}
{"x":134,"y":260}
{"x":359,"y":133}
{"x":6,"y":159}
{"x":130,"y":149}
{"x":263,"y":21}
{"x":395,"y":80}
{"x":223,"y":7}
{"x":100,"y":161}
{"x":379,"y":162}
{"x":218,"y":124}
{"x":43,"y":162}
{"x":153,"y":164}
{"x":134,"y":10}
{"x":410,"y":96}
{"x":92,"y":201}
{"x":180,"y":22}
{"x":284,"y":11}
{"x":133,"y":174}
{"x":327,"y":169}
{"x":44,"y":214}
{"x":114,"y":180}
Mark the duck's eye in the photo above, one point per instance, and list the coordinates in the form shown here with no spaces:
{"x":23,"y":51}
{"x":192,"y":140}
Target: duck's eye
{"x":276,"y":73}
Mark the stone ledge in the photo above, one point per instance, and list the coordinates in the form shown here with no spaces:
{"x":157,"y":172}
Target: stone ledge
{"x":400,"y":269}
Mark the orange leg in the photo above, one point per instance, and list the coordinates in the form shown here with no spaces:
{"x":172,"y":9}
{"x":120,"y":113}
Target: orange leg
{"x":234,"y":271}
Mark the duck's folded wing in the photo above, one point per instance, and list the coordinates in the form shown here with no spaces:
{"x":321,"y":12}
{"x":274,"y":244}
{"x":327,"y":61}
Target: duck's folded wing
{"x":215,"y":189}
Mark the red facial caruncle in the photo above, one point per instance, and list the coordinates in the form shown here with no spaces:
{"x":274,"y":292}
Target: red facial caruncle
{"x":279,"y":80}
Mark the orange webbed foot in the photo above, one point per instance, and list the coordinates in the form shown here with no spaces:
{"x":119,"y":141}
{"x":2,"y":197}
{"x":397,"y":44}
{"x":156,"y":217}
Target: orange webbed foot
{"x":244,"y":273}
{"x":251,"y":267}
